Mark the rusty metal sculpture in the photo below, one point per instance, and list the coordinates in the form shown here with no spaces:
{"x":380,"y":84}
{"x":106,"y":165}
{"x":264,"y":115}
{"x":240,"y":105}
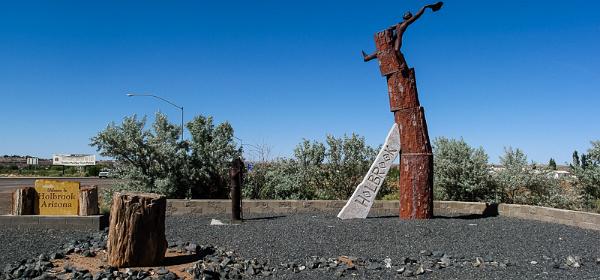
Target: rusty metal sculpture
{"x":416,"y":159}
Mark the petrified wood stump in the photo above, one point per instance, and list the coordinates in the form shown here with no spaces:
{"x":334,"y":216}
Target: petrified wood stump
{"x":136,"y":235}
{"x":88,"y":201}
{"x":23,"y":201}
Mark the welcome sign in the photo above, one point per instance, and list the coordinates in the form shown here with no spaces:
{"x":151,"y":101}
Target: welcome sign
{"x":56,"y":197}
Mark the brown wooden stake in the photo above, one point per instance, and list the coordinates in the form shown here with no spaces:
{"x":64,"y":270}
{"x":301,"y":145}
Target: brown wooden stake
{"x":23,"y":200}
{"x":235,"y":177}
{"x":88,"y":201}
{"x":136,"y":234}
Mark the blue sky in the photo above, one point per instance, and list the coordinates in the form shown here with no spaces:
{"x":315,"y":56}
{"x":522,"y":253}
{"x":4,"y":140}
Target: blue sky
{"x":497,"y":73}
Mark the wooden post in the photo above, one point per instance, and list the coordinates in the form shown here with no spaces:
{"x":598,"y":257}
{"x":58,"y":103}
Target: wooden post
{"x":136,"y":235}
{"x":88,"y":201}
{"x":235,"y":176}
{"x":23,"y":200}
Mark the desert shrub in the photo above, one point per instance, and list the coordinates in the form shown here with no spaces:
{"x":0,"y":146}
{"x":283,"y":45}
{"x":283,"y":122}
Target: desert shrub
{"x":255,"y":179}
{"x":283,"y":180}
{"x":589,"y":185}
{"x":156,"y":160}
{"x":596,"y":206}
{"x":524,"y":183}
{"x":561,"y":194}
{"x":211,"y":151}
{"x":306,"y":169}
{"x":391,"y":196}
{"x":587,"y":174}
{"x":279,"y":179}
{"x":516,"y":179}
{"x":317,"y":170}
{"x":389,"y":189}
{"x":461,"y":172}
{"x":348,"y":160}
{"x":93,"y":170}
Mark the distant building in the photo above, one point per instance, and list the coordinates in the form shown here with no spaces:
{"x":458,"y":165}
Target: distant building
{"x":495,"y":169}
{"x":21,"y":161}
{"x":560,"y":174}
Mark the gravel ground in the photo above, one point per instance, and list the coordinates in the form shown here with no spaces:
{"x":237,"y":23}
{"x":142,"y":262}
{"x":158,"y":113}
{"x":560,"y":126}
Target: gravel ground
{"x":283,"y":239}
{"x":294,"y":238}
{"x":18,"y":244}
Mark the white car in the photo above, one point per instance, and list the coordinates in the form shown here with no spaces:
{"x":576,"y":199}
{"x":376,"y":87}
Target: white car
{"x":103,"y":174}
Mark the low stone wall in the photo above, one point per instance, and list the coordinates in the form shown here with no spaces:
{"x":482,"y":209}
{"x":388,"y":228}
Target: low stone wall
{"x":5,"y":203}
{"x":182,"y":206}
{"x":559,"y":216}
{"x":440,"y":208}
{"x":97,"y":222}
{"x":380,"y":207}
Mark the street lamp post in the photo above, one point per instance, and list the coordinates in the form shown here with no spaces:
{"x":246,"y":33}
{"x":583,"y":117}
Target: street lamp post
{"x":158,"y":97}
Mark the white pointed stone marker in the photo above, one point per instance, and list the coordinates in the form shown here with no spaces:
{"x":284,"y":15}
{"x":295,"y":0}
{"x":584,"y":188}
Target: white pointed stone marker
{"x":360,"y":202}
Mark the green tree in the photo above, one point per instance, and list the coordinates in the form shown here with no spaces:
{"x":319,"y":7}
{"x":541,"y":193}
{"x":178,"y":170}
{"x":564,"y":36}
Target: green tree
{"x":576,"y":161}
{"x":584,"y":161}
{"x":552,"y":164}
{"x":460,"y":171}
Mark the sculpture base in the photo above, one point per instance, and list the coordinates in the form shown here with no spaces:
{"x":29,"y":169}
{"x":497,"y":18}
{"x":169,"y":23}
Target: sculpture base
{"x":416,"y":186}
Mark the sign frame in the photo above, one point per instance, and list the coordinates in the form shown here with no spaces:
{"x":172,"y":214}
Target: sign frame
{"x":74,"y":159}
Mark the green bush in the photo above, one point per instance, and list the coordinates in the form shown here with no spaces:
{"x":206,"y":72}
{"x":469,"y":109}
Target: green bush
{"x":94,"y":170}
{"x":596,"y":207}
{"x":156,"y":160}
{"x":391,"y":196}
{"x":389,"y":189}
{"x":328,"y":170}
{"x":348,"y":160}
{"x":523,"y":183}
{"x":587,"y":173}
{"x":461,"y":172}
